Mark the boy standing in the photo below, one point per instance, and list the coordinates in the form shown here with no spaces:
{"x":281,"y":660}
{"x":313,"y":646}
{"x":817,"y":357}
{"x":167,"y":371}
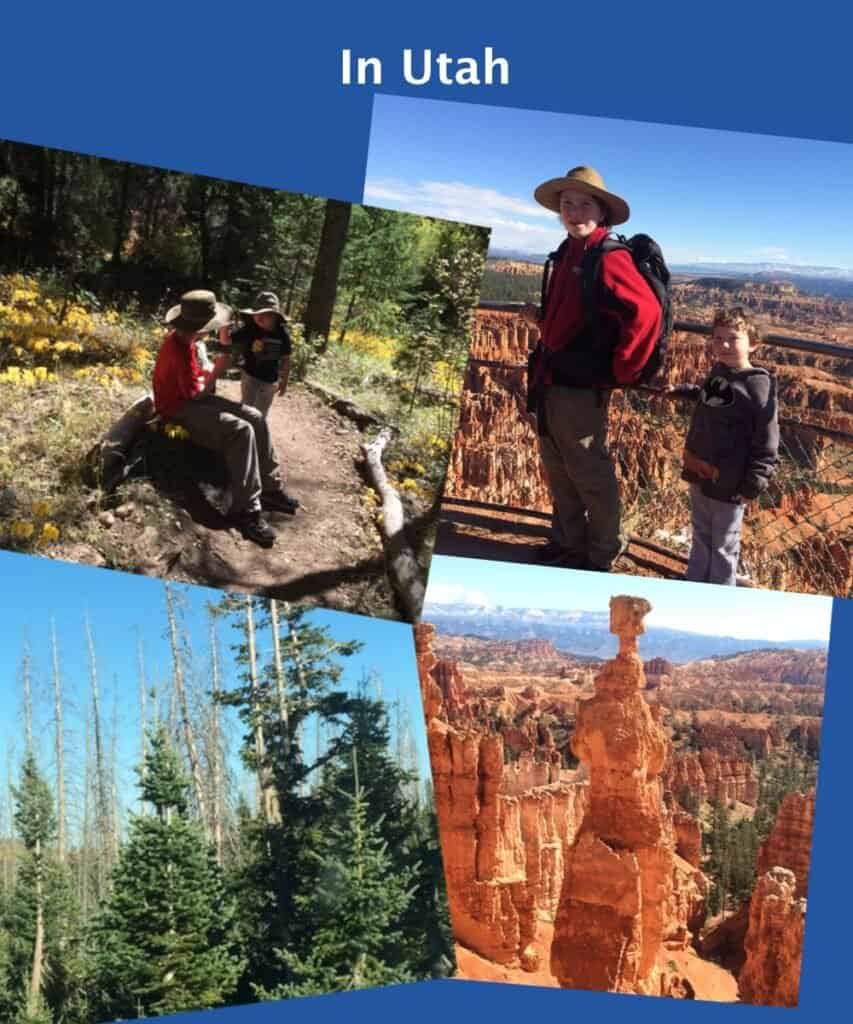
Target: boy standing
{"x":262,"y":349}
{"x":732,"y":445}
{"x":182,"y":395}
{"x":588,"y":345}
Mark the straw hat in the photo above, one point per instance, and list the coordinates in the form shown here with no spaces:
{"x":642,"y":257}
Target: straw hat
{"x":584,"y":179}
{"x":197,"y":312}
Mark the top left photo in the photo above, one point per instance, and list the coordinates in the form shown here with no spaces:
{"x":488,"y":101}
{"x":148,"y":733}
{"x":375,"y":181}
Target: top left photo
{"x":224,"y":384}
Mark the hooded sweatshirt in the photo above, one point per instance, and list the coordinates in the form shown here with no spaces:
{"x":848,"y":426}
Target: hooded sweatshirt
{"x":732,"y":444}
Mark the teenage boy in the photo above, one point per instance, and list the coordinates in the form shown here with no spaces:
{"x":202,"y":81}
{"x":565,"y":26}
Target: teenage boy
{"x":732,"y":445}
{"x":587,"y":346}
{"x":182,"y":395}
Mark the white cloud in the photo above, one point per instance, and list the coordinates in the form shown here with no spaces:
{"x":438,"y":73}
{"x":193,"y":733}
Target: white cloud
{"x":769,"y":253}
{"x":515,"y":223}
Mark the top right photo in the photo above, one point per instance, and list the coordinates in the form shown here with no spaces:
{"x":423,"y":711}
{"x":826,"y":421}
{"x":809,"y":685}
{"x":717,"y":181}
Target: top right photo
{"x":660,"y":373}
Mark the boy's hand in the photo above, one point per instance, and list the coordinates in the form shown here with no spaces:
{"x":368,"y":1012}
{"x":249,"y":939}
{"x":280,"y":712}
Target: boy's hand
{"x":225,"y":335}
{"x":282,"y":386}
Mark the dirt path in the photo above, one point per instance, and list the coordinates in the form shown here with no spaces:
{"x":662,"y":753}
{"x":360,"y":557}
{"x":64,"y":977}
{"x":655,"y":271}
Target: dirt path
{"x":329,"y":552}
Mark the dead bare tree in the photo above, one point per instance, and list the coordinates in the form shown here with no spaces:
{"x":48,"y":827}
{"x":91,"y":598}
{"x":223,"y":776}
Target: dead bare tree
{"x":186,"y":720}
{"x":267,"y":798}
{"x":103,"y":826}
{"x":60,"y":747}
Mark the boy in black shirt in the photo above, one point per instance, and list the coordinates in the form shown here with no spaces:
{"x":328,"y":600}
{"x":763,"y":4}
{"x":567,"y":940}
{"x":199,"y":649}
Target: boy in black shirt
{"x":261,"y":348}
{"x":731,"y":451}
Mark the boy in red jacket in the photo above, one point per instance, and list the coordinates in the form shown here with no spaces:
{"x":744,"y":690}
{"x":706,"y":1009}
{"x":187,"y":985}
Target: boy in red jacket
{"x":239,"y":432}
{"x":582,"y":353}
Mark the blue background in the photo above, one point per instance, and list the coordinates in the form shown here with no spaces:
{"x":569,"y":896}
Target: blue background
{"x":251,"y":92}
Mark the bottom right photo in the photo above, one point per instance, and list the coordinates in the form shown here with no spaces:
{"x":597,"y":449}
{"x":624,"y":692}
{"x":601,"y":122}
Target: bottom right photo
{"x":625,"y":773}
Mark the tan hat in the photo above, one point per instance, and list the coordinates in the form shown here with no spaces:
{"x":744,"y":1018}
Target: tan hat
{"x":265,"y":302}
{"x":198,"y":311}
{"x":584,"y":179}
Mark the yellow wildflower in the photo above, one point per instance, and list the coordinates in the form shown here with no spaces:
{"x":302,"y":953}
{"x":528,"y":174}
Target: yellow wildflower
{"x":49,"y":534}
{"x":21,"y":529}
{"x":40,"y":509}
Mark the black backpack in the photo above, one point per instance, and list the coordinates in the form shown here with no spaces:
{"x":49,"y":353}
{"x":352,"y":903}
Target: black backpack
{"x":649,"y":261}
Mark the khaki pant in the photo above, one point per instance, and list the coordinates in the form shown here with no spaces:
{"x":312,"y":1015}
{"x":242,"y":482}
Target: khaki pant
{"x":257,"y":393}
{"x":239,"y":433}
{"x":587,"y":511}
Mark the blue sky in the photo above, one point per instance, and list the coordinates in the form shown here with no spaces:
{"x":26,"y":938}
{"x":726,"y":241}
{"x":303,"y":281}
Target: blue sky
{"x":122,"y":607}
{"x":705,"y":195}
{"x":694,"y":607}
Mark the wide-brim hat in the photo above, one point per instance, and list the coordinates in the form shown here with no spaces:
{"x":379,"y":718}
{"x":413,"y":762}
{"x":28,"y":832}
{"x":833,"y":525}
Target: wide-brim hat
{"x":197,"y":312}
{"x":584,"y":179}
{"x":265,"y":302}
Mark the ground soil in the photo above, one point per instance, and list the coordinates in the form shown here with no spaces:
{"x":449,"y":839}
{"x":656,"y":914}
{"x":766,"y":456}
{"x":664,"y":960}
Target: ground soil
{"x":329,"y":552}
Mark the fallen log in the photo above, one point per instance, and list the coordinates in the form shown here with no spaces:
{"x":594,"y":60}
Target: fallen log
{"x":403,"y":567}
{"x":345,"y":406}
{"x":106,"y":463}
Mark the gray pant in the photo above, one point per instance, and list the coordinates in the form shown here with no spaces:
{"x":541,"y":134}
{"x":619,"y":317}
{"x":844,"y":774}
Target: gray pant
{"x":587,"y":511}
{"x":240,"y":434}
{"x":715,"y":546}
{"x":257,"y":393}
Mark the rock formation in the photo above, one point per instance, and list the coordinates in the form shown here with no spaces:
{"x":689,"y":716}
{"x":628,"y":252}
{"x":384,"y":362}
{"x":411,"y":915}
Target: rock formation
{"x":618,"y":889}
{"x":711,"y":776}
{"x":774,"y":941}
{"x":505,"y":828}
{"x":790,"y":842}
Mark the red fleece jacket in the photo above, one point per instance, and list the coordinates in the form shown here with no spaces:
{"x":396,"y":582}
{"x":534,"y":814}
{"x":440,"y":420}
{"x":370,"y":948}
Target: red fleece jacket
{"x":177,"y":377}
{"x":634,"y":315}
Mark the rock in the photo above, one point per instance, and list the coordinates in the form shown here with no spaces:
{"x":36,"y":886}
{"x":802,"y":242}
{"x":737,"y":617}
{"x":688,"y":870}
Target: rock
{"x":505,"y":828}
{"x":774,"y":942}
{"x":106,"y":519}
{"x":789,"y":844}
{"x":126,"y":510}
{"x":615,"y":904}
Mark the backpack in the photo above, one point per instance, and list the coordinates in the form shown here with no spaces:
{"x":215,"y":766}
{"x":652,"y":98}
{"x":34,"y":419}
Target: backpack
{"x":649,"y":261}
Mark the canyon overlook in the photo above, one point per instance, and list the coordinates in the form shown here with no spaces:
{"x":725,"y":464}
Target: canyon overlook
{"x":798,"y":537}
{"x":570,"y":852}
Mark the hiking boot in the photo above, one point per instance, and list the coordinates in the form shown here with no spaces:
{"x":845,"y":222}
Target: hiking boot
{"x":279,"y":501}
{"x":254,"y":527}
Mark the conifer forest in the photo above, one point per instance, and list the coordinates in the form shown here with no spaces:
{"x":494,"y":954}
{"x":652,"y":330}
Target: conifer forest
{"x":241,"y":811}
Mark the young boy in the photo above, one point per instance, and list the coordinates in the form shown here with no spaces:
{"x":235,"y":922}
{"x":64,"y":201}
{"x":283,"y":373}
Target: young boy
{"x":732,"y":445}
{"x":262,"y":349}
{"x":581,"y":354}
{"x":182,"y":395}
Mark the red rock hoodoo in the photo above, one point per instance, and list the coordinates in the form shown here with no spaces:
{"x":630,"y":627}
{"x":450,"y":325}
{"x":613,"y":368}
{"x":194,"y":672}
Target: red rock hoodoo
{"x":619,"y":891}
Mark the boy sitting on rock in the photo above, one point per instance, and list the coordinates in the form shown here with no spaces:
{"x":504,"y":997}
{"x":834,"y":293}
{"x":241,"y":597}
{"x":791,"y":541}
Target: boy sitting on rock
{"x":732,"y":445}
{"x":182,"y":395}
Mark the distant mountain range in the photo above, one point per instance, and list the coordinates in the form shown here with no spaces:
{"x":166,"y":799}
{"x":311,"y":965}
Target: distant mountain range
{"x":587,"y":634}
{"x":815,"y":280}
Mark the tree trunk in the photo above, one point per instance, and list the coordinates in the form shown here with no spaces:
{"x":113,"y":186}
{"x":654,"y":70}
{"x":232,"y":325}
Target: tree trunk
{"x":34,"y":991}
{"x":60,"y":760}
{"x":102,"y":817}
{"x":26,"y":676}
{"x":189,"y":735}
{"x":267,"y":799}
{"x":217,"y":796}
{"x":324,"y":283}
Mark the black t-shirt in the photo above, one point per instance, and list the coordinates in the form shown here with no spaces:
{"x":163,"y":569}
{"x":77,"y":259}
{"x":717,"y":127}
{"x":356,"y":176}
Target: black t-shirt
{"x":259,"y":352}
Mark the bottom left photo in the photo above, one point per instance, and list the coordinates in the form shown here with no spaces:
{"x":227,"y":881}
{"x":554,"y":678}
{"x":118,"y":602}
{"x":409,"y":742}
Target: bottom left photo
{"x":206,"y":799}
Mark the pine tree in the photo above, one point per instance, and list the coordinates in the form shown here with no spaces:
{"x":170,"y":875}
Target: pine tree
{"x":356,"y":911}
{"x":43,"y":949}
{"x":165,"y":940}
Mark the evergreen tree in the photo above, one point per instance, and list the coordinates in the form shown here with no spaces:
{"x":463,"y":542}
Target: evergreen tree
{"x":356,"y":910}
{"x":165,"y":941}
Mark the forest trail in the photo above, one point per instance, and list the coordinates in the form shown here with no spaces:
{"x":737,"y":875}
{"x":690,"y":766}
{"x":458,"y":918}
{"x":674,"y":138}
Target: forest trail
{"x":329,"y":552}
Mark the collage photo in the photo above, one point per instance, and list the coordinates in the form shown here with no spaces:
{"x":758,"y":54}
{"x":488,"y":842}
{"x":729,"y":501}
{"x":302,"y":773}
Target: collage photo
{"x":445,"y":586}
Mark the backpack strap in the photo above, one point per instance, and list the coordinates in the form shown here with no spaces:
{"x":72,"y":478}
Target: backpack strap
{"x":552,"y":258}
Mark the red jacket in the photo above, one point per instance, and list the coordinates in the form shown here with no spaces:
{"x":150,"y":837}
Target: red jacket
{"x":629,"y":311}
{"x":177,"y":377}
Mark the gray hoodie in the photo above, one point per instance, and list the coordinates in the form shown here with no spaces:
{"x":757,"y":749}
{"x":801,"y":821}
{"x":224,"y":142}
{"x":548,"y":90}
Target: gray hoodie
{"x":734,"y":432}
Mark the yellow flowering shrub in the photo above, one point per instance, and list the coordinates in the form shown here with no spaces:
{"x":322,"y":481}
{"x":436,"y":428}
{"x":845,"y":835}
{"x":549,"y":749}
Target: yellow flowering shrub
{"x":372,"y":344}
